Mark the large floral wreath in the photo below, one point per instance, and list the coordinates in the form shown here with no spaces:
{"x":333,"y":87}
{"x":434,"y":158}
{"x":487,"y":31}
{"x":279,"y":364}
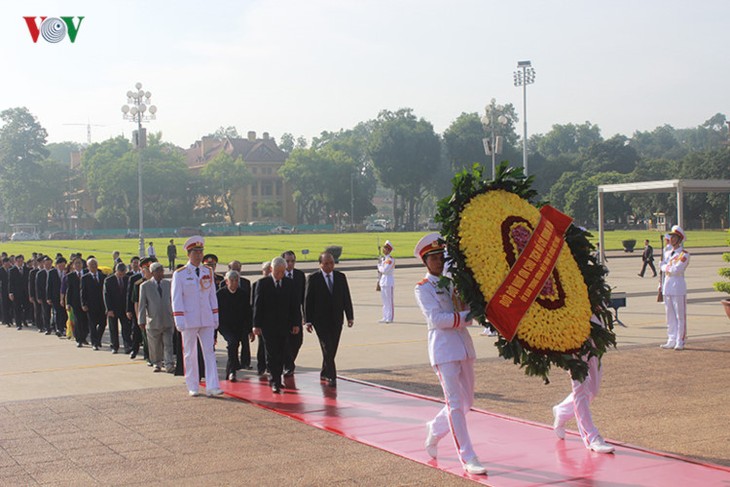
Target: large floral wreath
{"x":486,"y":225}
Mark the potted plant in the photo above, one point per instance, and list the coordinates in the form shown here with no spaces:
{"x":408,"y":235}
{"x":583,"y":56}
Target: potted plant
{"x":724,"y":286}
{"x":628,"y":245}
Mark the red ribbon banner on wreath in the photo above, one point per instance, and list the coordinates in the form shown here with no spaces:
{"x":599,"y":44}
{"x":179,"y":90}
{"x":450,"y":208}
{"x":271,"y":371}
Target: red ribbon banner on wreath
{"x":526,"y":278}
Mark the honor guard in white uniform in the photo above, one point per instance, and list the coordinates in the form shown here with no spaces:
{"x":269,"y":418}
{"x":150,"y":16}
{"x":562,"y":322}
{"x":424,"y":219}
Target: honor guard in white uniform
{"x":386,"y":268}
{"x":452,"y":355}
{"x":195,"y":309}
{"x":674,"y":289}
{"x":578,"y":405}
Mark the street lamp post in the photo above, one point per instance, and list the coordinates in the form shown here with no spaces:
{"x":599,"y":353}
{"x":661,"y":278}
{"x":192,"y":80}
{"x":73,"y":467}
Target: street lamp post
{"x":493,"y":145}
{"x":138,"y":110}
{"x":523,"y":78}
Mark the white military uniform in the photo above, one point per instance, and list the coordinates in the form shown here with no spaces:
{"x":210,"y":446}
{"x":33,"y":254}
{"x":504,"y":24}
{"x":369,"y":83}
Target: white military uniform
{"x":451,"y":352}
{"x":195,"y":308}
{"x":578,"y":402}
{"x":674,"y":289}
{"x":386,"y":268}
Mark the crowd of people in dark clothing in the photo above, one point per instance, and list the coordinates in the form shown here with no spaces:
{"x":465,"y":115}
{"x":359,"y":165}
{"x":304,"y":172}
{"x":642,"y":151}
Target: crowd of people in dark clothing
{"x":76,"y":299}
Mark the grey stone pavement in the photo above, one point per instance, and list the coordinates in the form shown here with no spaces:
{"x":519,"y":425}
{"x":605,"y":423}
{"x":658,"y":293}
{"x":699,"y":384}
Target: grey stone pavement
{"x":79,"y":417}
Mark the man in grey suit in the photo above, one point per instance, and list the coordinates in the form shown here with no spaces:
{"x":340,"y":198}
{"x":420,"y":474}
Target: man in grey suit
{"x":155,"y":316}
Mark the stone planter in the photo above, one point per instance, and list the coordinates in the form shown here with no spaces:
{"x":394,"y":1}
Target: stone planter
{"x":336,"y":251}
{"x":628,"y":245}
{"x":726,"y":305}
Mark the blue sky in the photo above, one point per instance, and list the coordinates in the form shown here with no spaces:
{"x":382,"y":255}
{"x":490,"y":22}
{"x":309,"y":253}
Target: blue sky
{"x":304,"y":66}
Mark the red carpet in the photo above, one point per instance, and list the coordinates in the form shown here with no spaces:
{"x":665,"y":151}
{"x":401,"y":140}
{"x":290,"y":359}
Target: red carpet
{"x":516,"y":452}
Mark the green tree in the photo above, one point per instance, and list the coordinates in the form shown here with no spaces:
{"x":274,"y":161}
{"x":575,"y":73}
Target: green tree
{"x":566,"y":139}
{"x":111,"y":177}
{"x":320,"y":178}
{"x":224,"y":132}
{"x":22,"y":155}
{"x":614,"y":154}
{"x":406,"y":154}
{"x":362,"y":180}
{"x":227,"y":176}
{"x":463,"y":141}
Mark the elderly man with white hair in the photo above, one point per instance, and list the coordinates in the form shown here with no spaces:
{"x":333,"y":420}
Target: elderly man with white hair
{"x":155,"y":316}
{"x":276,"y":315}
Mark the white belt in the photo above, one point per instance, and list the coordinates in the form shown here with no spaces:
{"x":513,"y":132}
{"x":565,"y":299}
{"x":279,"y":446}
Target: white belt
{"x":675,"y":274}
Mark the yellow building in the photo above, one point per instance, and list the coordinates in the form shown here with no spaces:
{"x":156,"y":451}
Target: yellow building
{"x":269,"y":197}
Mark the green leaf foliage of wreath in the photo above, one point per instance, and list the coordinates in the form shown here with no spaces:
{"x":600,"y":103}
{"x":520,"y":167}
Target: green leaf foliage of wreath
{"x":466,"y":185}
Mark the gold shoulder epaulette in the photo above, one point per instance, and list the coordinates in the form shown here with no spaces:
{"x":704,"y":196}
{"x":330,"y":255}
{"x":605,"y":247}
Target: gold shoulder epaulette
{"x":421,"y":283}
{"x":181,"y":268}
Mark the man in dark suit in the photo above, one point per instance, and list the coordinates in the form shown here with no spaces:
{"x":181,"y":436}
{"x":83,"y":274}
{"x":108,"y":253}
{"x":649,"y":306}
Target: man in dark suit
{"x":53,"y":296}
{"x":92,"y":301}
{"x":276,"y":315}
{"x":647,"y":257}
{"x":34,"y":309}
{"x":18,"y":290}
{"x":43,"y":320}
{"x":300,"y":282}
{"x":245,"y":286}
{"x":7,"y":308}
{"x":71,"y":288}
{"x":136,"y":275}
{"x":115,"y":304}
{"x":326,"y":299}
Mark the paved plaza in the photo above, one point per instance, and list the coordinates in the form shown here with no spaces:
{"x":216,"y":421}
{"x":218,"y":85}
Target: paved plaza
{"x":79,"y":417}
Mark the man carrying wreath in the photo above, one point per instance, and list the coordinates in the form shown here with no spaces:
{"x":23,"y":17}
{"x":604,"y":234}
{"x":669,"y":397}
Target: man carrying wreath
{"x":451,"y":353}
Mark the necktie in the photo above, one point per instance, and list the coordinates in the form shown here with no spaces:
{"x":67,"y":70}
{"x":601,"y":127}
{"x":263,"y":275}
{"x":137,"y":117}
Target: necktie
{"x":197,"y":271}
{"x":96,"y":277}
{"x":289,"y":275}
{"x":329,"y":282}
{"x":159,"y":288}
{"x":119,"y":281}
{"x":278,"y":284}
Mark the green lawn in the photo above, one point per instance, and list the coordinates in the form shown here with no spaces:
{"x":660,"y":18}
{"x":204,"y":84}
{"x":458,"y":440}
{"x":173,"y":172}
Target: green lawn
{"x":257,"y":248}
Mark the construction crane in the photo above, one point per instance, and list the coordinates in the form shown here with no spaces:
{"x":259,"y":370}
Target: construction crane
{"x":88,"y":128}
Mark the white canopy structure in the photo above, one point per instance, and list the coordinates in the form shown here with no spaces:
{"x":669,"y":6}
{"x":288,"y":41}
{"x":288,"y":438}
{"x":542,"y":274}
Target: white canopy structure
{"x":680,"y":186}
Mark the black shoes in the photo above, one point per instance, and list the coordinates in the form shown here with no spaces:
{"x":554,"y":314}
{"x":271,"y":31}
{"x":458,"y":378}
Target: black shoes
{"x":133,"y":354}
{"x":276,"y":388}
{"x":232,"y":377}
{"x":79,"y":345}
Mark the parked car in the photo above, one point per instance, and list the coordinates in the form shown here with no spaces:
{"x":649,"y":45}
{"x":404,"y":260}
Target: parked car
{"x":283,"y":229}
{"x":375,"y":227}
{"x":21,"y":236}
{"x":60,"y":236}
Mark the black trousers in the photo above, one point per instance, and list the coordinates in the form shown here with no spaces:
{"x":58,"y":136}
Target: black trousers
{"x":21,"y":310}
{"x":245,"y":361}
{"x":38,"y":315}
{"x":294,"y":343}
{"x":7,"y":309}
{"x":81,"y":324}
{"x":232,"y":342}
{"x":649,"y":263}
{"x":59,"y":319}
{"x":114,"y":323}
{"x":97,"y":325}
{"x":45,"y":318}
{"x":329,"y":340}
{"x":260,"y":355}
{"x":276,"y":349}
